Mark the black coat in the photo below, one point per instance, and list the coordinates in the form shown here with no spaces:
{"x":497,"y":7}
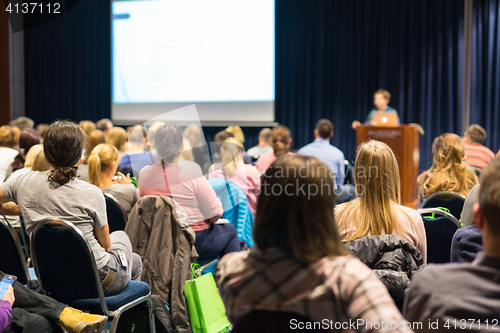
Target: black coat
{"x":392,"y":258}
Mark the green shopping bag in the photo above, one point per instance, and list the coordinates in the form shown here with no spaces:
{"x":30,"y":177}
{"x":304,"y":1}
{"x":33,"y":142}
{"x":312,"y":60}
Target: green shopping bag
{"x":206,"y":310}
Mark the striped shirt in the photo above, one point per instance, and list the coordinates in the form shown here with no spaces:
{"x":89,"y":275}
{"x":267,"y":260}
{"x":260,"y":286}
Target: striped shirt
{"x":341,"y":289}
{"x":477,"y":155}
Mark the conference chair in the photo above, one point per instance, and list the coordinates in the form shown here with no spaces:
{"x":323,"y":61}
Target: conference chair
{"x":273,"y":322}
{"x":65,"y":265}
{"x":451,"y":200}
{"x":439,"y":232}
{"x":348,"y":173}
{"x":117,"y":218}
{"x":12,"y":260}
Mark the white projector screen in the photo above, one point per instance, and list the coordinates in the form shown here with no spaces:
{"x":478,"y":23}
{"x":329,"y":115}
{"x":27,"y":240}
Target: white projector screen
{"x":216,"y":54}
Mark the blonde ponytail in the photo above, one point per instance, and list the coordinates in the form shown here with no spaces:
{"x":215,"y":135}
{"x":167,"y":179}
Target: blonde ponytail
{"x":94,"y":162}
{"x":230,"y":157}
{"x":100,"y":160}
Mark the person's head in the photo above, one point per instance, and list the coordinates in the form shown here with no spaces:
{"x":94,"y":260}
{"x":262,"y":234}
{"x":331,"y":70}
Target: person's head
{"x":282,"y":140}
{"x":381,"y":99}
{"x":42,"y":129}
{"x":187,"y":150}
{"x":96,"y":137}
{"x":299,"y":222}
{"x":22,"y":123}
{"x":475,"y":134}
{"x":63,"y":145}
{"x":231,"y":155}
{"x":237,"y":132}
{"x":32,"y":154}
{"x":7,"y":137}
{"x":17,"y":135}
{"x":28,"y":138}
{"x":324,"y":129}
{"x":222,"y":136}
{"x":105,"y":125}
{"x":194,"y":135}
{"x":138,"y":138}
{"x":152,"y":132}
{"x":87,"y":126}
{"x":40,"y":163}
{"x":168,"y":142}
{"x":103,"y":162}
{"x":376,"y":176}
{"x":265,"y":137}
{"x":117,"y":137}
{"x":487,"y":209}
{"x":449,"y":172}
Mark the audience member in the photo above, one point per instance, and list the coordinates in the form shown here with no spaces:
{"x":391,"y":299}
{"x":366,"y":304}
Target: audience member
{"x":117,"y":137}
{"x":448,"y":172}
{"x":40,"y":163}
{"x":237,"y":132}
{"x":87,"y":126}
{"x":192,"y":191}
{"x":152,"y":134}
{"x":282,"y":141}
{"x":187,"y":151}
{"x":23,"y":310}
{"x":53,"y":194}
{"x":29,"y":162}
{"x":105,"y":125}
{"x":199,"y":148}
{"x":137,"y":156}
{"x":28,"y":138}
{"x":232,"y":167}
{"x":298,"y":264}
{"x":103,"y":163}
{"x":451,"y":294}
{"x":265,"y":145}
{"x":331,"y":156}
{"x":476,"y":155}
{"x":42,"y":129}
{"x":22,"y":123}
{"x":7,"y":151}
{"x":378,"y":209}
{"x":94,"y":138}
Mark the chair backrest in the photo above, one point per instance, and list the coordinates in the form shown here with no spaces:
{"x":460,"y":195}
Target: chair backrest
{"x":272,"y":322}
{"x":64,"y":263}
{"x":12,"y":256}
{"x":117,"y":219}
{"x":439,"y":233}
{"x":451,"y":200}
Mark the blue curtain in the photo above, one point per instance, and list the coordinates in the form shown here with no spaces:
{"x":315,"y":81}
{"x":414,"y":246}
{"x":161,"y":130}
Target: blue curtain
{"x":331,"y":56}
{"x":485,"y":73}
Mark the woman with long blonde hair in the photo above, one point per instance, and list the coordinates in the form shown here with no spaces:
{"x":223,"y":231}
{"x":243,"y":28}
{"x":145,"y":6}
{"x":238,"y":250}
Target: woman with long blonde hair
{"x":377,"y":210}
{"x":103,"y":163}
{"x":448,"y":172}
{"x":118,"y":137}
{"x":232,"y":167}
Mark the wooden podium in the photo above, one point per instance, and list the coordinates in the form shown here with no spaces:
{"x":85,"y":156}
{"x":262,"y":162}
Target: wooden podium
{"x":404,"y":141}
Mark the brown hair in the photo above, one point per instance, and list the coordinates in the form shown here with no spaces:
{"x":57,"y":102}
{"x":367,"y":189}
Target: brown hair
{"x":385,"y":93}
{"x":100,"y":160}
{"x":449,"y":172}
{"x":489,"y":195}
{"x":117,"y":137}
{"x":96,"y":137}
{"x":477,"y":133}
{"x":231,"y":154}
{"x":376,"y":175}
{"x":28,"y":138}
{"x":62,"y":145}
{"x":7,"y":137}
{"x":281,"y":136}
{"x":325,"y":128}
{"x":103,"y":124}
{"x":87,"y":126}
{"x":297,"y":221}
{"x":168,"y":142}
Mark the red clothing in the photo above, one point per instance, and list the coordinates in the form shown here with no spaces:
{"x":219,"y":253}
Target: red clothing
{"x":477,"y":155}
{"x":188,"y":187}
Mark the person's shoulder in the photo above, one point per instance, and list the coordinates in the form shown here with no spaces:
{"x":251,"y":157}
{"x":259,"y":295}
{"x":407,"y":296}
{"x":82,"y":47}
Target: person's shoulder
{"x":441,"y":277}
{"x":410,"y":212}
{"x":305,"y":148}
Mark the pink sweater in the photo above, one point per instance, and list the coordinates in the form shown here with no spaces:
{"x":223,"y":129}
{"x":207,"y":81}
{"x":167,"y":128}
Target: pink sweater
{"x":188,"y":187}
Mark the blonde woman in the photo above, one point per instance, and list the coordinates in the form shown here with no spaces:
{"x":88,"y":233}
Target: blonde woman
{"x":377,"y":209}
{"x":195,"y":136}
{"x":103,"y":163}
{"x":298,"y":263}
{"x":117,"y":137}
{"x":448,"y":172}
{"x":245,"y":176}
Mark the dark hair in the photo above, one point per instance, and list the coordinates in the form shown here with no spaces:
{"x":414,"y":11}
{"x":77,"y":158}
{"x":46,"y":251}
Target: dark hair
{"x":168,"y":142}
{"x":489,"y":195}
{"x":28,"y":138}
{"x":103,"y":124}
{"x":298,"y":221}
{"x":477,"y":133}
{"x":62,"y":145}
{"x":222,"y":136}
{"x":325,"y":128}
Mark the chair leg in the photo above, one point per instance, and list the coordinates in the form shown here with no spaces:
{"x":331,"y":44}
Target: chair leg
{"x":117,"y":314}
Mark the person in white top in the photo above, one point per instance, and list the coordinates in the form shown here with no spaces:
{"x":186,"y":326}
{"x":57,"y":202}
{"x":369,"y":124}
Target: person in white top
{"x":7,"y":151}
